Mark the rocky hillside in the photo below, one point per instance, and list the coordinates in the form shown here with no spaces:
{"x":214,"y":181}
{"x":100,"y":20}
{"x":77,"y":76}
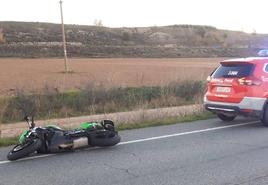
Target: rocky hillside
{"x":28,"y":39}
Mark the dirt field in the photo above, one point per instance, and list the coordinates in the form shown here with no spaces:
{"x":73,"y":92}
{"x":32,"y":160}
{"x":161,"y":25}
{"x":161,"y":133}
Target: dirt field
{"x":35,"y":74}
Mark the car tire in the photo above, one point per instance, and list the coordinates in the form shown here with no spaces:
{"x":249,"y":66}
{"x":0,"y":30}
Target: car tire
{"x":264,"y":118}
{"x":226,"y":118}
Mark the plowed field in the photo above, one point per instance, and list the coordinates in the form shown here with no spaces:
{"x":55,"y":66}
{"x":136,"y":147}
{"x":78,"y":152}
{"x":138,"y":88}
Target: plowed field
{"x":36,"y":74}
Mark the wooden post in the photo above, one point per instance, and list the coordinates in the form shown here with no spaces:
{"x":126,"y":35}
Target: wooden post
{"x":64,"y":41}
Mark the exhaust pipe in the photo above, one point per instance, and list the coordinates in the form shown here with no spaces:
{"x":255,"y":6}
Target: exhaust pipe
{"x":81,"y":142}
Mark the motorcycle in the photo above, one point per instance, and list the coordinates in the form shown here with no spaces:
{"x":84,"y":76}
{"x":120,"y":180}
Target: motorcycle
{"x":52,"y":139}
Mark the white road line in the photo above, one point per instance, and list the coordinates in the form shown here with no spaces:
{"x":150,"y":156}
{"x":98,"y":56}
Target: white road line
{"x":186,"y":133}
{"x":28,"y":158}
{"x":4,"y":162}
{"x":150,"y":139}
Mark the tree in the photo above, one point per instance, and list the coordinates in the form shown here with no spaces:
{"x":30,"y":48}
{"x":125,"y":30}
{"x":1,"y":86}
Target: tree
{"x":254,"y":32}
{"x":125,"y":36}
{"x":225,"y":35}
{"x":2,"y":38}
{"x":200,"y":31}
{"x":98,"y":23}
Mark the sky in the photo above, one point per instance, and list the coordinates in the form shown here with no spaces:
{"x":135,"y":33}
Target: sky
{"x":242,"y":15}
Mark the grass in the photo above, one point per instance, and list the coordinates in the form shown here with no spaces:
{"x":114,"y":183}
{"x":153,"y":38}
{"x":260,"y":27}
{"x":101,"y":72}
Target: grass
{"x":89,"y":101}
{"x":120,"y":127}
{"x":8,"y":141}
{"x":54,"y":104}
{"x":167,"y":121}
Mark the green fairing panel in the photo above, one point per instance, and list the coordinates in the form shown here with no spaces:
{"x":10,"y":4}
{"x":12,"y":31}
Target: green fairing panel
{"x":53,"y":126}
{"x":87,"y":125}
{"x":23,"y":136}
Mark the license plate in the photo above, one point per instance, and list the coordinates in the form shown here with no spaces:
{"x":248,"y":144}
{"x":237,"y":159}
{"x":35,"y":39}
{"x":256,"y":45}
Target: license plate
{"x":223,"y":89}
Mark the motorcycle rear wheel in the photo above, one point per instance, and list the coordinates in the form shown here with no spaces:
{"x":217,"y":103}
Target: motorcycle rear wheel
{"x":107,"y":140}
{"x":22,"y":150}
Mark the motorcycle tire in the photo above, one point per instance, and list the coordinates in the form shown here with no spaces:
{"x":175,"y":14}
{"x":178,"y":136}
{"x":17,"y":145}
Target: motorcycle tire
{"x":105,"y":141}
{"x":108,"y":125}
{"x":20,"y":151}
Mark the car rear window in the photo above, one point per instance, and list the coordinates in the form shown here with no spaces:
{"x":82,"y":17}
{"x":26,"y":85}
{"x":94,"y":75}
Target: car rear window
{"x":233,"y":70}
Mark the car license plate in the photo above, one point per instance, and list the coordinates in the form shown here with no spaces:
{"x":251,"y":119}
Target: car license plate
{"x":223,"y":89}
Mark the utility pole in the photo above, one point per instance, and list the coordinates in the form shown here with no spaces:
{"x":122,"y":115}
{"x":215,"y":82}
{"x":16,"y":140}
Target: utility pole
{"x":64,"y":41}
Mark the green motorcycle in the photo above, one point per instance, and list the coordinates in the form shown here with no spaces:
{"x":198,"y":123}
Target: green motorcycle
{"x":52,"y":139}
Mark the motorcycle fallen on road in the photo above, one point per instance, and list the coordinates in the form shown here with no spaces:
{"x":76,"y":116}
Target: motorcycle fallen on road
{"x":52,"y":139}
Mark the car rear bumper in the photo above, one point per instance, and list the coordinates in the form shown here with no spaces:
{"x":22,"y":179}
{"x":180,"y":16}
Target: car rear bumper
{"x":247,"y":105}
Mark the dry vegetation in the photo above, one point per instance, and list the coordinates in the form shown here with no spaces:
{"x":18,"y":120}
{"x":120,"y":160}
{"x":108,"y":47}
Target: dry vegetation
{"x":39,"y":86}
{"x":36,"y":74}
{"x":32,"y":39}
{"x":100,"y":86}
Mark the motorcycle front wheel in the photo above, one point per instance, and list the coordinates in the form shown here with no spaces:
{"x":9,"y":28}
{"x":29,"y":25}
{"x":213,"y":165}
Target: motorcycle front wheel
{"x":22,"y":150}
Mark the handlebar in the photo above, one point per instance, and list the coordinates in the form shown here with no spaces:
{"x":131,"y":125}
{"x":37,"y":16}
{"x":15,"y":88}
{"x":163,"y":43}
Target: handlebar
{"x":30,"y":121}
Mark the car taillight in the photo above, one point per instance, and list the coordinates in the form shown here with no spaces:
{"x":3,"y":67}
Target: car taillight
{"x":249,"y":81}
{"x":209,"y":79}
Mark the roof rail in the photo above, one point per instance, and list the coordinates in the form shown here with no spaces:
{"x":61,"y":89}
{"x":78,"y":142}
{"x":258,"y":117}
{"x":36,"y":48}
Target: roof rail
{"x":263,"y":53}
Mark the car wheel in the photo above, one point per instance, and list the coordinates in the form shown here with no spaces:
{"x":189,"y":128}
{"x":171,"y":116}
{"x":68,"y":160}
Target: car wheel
{"x":226,"y":118}
{"x":264,"y":118}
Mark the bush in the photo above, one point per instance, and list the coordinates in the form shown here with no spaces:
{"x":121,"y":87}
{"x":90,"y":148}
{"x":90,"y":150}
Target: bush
{"x":51,"y":103}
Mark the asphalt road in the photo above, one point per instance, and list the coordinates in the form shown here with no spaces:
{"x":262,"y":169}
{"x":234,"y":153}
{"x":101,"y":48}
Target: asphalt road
{"x":202,"y":152}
